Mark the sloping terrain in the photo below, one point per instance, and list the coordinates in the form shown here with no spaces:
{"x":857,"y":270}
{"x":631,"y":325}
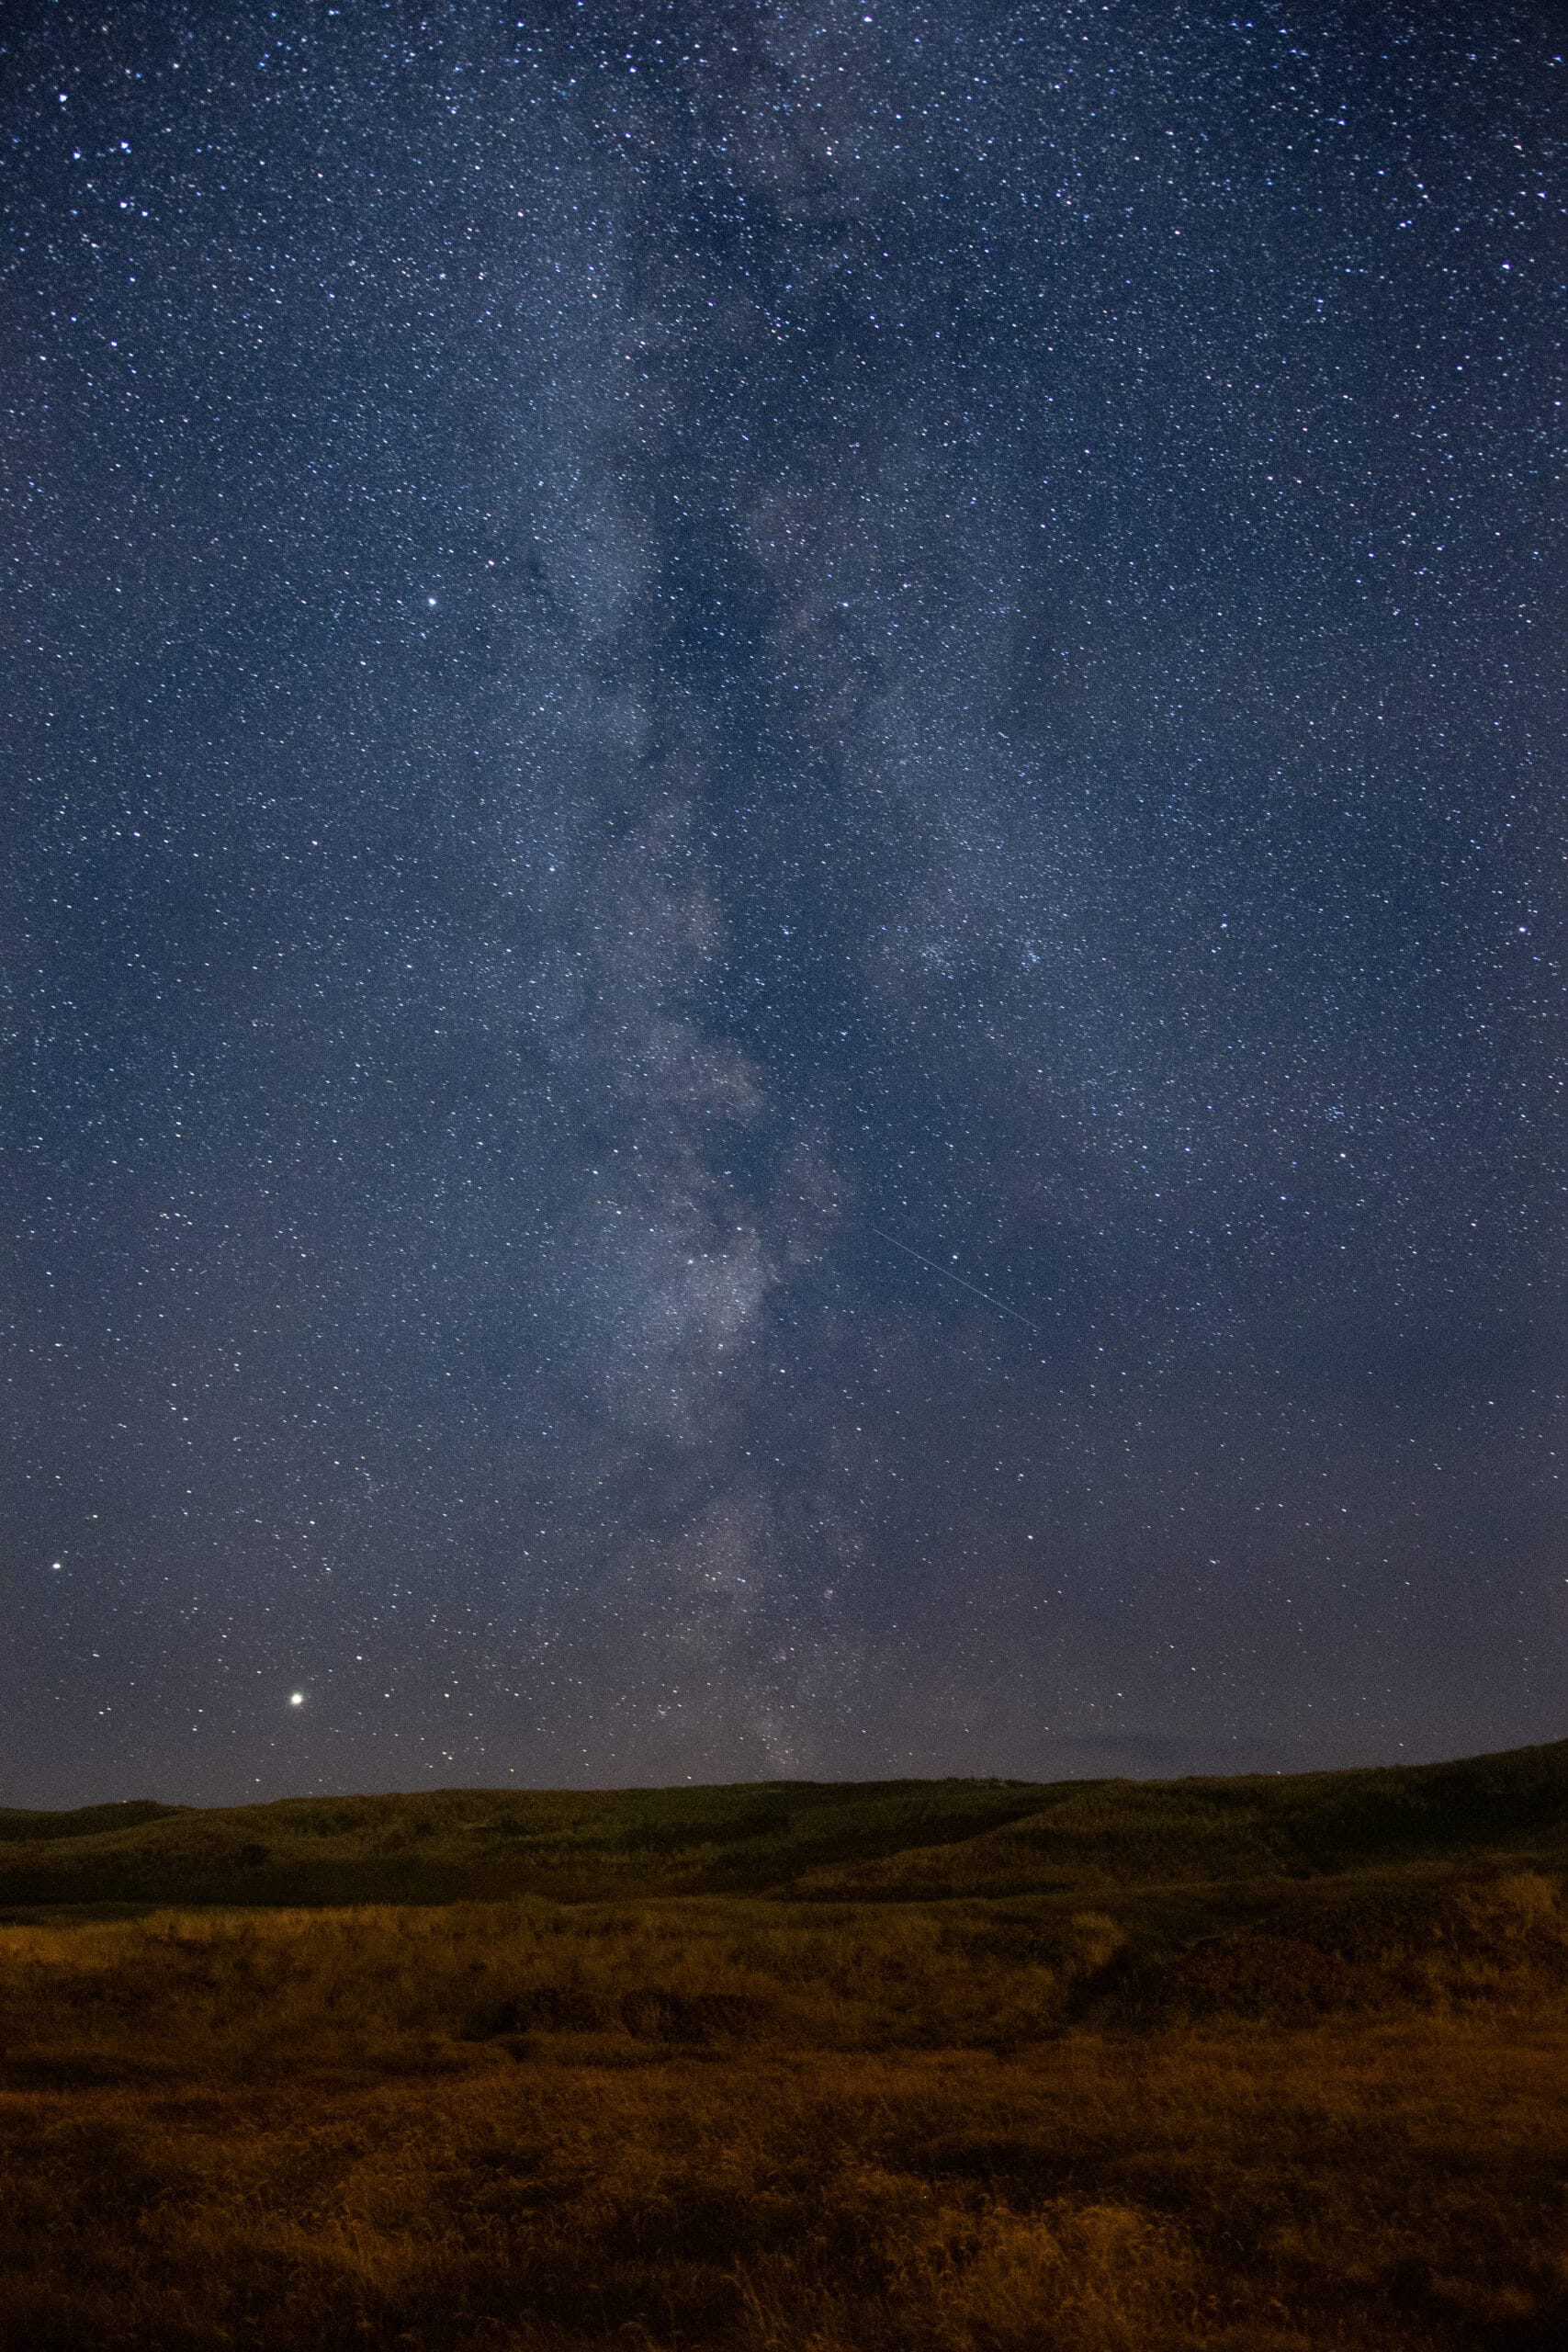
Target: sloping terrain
{"x":1262,"y":2064}
{"x":925,"y":1839}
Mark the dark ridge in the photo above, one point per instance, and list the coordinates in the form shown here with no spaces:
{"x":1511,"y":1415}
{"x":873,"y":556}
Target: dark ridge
{"x":876,"y":1841}
{"x":85,"y":1821}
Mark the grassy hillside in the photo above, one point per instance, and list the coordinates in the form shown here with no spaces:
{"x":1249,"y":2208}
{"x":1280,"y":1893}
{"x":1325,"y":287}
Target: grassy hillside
{"x":888,"y":1840}
{"x":1262,"y":2064}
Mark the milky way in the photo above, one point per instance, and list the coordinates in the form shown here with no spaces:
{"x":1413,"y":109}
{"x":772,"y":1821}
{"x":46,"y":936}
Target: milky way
{"x":672,"y":671}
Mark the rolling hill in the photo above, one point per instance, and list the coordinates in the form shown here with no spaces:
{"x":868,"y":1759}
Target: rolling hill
{"x":876,"y":1841}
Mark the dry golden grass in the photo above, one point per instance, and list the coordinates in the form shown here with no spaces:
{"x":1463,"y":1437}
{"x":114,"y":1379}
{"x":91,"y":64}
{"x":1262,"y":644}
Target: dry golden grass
{"x":781,"y":2128}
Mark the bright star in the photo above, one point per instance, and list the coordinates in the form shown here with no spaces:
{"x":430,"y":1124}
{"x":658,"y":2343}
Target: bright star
{"x":297,"y":1698}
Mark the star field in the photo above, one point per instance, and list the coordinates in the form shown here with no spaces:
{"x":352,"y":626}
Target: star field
{"x":673,"y":672}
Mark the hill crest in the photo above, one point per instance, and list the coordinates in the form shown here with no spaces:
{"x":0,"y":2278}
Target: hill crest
{"x":821,"y":1841}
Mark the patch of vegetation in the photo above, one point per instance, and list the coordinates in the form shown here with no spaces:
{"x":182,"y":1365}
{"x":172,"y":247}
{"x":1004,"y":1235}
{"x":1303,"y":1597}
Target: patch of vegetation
{"x":916,"y":2067}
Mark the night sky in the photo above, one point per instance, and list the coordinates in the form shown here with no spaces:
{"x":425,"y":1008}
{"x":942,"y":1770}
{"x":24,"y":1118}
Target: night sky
{"x":781,"y":891}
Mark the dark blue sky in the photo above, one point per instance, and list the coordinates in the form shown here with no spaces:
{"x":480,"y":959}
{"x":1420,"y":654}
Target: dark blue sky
{"x":670,"y":670}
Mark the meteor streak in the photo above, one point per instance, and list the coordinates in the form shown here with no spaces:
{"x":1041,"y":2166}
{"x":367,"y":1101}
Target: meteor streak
{"x":947,"y":1275}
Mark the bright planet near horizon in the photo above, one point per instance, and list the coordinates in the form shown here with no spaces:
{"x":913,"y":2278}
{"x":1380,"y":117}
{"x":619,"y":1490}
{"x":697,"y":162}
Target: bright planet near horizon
{"x":782,"y":920}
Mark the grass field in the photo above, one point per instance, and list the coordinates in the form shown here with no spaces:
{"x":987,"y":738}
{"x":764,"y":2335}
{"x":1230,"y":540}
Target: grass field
{"x":955,"y":2067}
